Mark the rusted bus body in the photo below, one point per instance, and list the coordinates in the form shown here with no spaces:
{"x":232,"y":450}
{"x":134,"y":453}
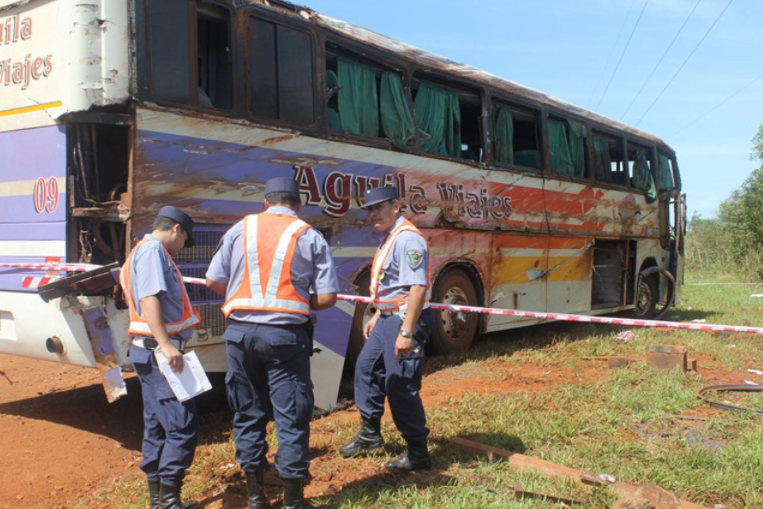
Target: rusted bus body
{"x":128,"y":130}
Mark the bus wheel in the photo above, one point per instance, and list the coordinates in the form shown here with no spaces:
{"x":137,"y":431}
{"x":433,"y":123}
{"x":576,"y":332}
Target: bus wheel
{"x":363,"y":313}
{"x":454,"y":331}
{"x":646,"y":299}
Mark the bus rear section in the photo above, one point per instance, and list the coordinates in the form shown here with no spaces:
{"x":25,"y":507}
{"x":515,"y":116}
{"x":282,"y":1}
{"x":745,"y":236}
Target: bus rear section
{"x":64,"y":77}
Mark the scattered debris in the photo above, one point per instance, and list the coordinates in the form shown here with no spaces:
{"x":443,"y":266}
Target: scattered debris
{"x":731,"y":346}
{"x":667,"y":357}
{"x":6,"y":376}
{"x":521,"y":462}
{"x":699,"y":320}
{"x":730,"y":388}
{"x":756,"y":371}
{"x":626,"y":336}
{"x":618,"y":362}
{"x":756,"y":295}
{"x":520,"y":492}
{"x":649,"y":496}
{"x":750,"y":382}
{"x":601,"y":479}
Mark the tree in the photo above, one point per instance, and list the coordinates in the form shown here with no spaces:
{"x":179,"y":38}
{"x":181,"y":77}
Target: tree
{"x":757,"y":145}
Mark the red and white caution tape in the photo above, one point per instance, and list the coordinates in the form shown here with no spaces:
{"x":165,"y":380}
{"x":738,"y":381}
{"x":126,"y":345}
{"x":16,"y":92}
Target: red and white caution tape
{"x":55,"y":267}
{"x":80,"y":267}
{"x":36,"y":282}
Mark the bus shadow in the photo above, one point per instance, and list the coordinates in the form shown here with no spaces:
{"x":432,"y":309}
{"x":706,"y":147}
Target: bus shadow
{"x":86,"y":409}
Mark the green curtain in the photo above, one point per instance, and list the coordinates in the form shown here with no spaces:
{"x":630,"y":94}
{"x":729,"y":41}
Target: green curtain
{"x":602,"y":162}
{"x":504,"y":136}
{"x":396,"y":118}
{"x":439,"y":116}
{"x":642,"y":177}
{"x":561,"y":160}
{"x":576,"y":139}
{"x":664,"y":174}
{"x":358,"y":98}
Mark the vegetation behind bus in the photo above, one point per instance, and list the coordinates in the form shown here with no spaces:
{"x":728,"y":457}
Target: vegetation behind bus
{"x":731,"y":244}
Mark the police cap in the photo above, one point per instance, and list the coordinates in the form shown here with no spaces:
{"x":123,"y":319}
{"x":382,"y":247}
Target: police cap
{"x":379,"y":195}
{"x":182,"y":219}
{"x":281,"y":185}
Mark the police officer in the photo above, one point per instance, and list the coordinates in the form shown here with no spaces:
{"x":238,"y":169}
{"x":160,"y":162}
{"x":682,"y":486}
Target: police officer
{"x":273,"y":269}
{"x":162,"y":318}
{"x":390,"y":363}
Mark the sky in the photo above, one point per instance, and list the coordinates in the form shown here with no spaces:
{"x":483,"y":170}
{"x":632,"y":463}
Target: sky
{"x":598,"y":54}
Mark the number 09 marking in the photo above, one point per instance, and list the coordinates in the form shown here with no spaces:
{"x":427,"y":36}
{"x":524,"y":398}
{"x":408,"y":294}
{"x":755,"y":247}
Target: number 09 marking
{"x":45,"y":195}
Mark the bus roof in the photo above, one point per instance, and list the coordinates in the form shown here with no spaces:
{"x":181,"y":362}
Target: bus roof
{"x":450,"y":67}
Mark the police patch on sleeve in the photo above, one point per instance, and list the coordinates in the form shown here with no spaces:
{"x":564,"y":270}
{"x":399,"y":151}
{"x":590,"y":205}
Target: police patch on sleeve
{"x":415,"y":257}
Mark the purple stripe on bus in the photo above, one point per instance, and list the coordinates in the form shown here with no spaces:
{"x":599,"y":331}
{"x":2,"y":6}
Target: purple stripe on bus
{"x":20,"y":209}
{"x":34,"y":231}
{"x":32,"y":153}
{"x":240,"y":164}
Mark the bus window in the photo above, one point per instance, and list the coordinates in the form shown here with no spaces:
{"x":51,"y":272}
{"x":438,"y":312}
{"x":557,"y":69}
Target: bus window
{"x":448,"y":121}
{"x":280,"y":72}
{"x":640,"y":171}
{"x":171,"y":50}
{"x":665,"y":179}
{"x":608,"y":164}
{"x":566,"y":142}
{"x":214,"y":62}
{"x":515,"y":136}
{"x":366,"y":100}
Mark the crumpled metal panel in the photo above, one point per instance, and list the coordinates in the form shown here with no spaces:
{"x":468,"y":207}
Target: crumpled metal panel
{"x":99,"y":332}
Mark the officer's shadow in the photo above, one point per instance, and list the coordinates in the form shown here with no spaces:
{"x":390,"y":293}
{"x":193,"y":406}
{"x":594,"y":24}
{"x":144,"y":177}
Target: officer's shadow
{"x":370,"y":491}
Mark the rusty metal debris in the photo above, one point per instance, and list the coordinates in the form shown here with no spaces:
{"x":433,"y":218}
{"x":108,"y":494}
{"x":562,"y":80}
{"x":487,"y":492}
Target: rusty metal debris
{"x":730,"y":388}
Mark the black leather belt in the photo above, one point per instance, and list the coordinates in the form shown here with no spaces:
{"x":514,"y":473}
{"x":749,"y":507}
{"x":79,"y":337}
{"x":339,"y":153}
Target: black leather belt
{"x":288,"y":326}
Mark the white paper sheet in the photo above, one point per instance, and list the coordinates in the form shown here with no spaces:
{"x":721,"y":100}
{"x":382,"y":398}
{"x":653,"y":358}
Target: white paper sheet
{"x":188,"y":384}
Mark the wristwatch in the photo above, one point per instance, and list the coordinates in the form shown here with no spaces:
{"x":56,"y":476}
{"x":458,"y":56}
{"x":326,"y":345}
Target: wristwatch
{"x":405,"y":333}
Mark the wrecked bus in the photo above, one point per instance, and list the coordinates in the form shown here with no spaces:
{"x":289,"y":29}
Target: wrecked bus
{"x":112,"y":109}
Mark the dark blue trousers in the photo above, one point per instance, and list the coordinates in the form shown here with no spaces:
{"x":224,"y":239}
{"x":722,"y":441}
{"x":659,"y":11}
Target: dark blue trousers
{"x":170,"y":428}
{"x":378,"y":375}
{"x":270,"y":361}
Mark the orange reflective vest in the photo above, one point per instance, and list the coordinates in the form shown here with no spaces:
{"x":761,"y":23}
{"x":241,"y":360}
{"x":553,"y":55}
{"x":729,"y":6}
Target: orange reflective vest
{"x":376,"y":270}
{"x":138,"y":324}
{"x":270,"y":241}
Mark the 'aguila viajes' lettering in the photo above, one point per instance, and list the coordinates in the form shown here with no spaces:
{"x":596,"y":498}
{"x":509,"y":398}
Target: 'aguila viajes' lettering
{"x":338,"y":190}
{"x":15,"y":29}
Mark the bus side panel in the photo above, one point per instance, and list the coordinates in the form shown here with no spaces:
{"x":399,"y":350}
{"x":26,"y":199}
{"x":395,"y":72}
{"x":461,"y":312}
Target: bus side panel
{"x":33,"y":202}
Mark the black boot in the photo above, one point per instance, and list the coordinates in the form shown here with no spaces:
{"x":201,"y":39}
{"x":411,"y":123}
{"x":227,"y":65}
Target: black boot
{"x":154,"y":493}
{"x":255,"y":484}
{"x":417,"y":457}
{"x":170,"y":498}
{"x":293,"y":497}
{"x":368,"y":439}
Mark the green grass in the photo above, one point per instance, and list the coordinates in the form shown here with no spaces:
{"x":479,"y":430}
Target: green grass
{"x":620,"y":422}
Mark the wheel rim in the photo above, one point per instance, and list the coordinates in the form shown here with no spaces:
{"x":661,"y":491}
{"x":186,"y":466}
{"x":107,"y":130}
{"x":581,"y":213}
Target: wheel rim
{"x":644,"y":299}
{"x":455,"y":323}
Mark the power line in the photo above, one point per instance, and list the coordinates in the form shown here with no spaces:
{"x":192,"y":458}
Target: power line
{"x":622,"y":55}
{"x":717,"y":106}
{"x":611,"y":52}
{"x":661,"y":59}
{"x":683,"y":64}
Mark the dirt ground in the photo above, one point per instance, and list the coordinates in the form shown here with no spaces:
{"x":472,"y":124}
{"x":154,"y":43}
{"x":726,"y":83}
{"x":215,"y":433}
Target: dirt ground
{"x":61,"y":440}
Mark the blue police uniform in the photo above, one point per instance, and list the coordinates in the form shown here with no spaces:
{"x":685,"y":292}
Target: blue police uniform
{"x":378,"y":374}
{"x":269,"y":354}
{"x":170,"y":427}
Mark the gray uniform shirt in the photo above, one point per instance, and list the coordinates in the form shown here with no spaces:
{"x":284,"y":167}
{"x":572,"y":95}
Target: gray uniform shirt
{"x":311,"y":268}
{"x":406,"y":265}
{"x":152,"y":273}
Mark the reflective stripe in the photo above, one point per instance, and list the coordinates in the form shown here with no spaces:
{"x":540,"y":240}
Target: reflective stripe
{"x":269,"y":300}
{"x":138,"y":324}
{"x":378,"y":263}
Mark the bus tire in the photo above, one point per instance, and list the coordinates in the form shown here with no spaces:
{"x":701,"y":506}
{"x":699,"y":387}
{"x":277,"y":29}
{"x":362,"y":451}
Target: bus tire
{"x":646,"y":298}
{"x":363,"y":313}
{"x":454,"y":332}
